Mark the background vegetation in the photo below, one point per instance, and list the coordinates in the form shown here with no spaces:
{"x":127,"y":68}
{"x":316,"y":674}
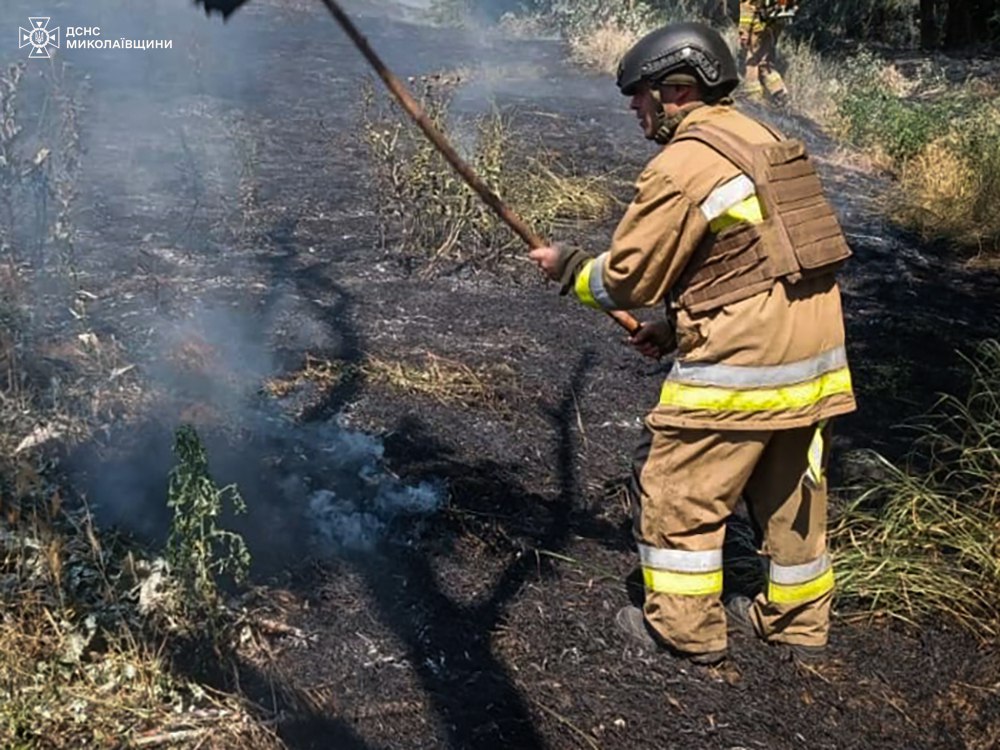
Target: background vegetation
{"x":934,"y":24}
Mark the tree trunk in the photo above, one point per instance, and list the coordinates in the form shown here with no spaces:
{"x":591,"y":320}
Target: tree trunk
{"x":928,"y":24}
{"x":959,"y":29}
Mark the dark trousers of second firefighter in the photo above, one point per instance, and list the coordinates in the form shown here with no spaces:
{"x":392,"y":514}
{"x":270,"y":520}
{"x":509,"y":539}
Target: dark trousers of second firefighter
{"x":687,"y":482}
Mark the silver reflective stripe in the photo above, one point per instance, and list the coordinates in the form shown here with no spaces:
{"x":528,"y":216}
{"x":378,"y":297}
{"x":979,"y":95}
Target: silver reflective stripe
{"x":597,"y":289}
{"x":680,"y":560}
{"x":788,"y":575}
{"x":737,"y":376}
{"x":727,"y":195}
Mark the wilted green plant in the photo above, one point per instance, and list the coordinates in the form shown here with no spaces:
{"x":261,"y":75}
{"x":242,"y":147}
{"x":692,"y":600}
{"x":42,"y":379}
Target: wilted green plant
{"x":923,"y":540}
{"x":198,"y":551}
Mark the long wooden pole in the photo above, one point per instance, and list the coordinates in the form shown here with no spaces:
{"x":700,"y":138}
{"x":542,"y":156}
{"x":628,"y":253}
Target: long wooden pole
{"x":441,"y":143}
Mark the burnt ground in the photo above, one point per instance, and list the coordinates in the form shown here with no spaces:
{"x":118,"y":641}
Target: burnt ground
{"x":231,"y":208}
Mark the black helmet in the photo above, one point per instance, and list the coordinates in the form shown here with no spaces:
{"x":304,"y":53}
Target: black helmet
{"x":680,"y":48}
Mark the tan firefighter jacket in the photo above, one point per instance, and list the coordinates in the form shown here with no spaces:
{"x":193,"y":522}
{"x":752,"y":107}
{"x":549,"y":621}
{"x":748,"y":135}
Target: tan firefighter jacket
{"x":769,"y":356}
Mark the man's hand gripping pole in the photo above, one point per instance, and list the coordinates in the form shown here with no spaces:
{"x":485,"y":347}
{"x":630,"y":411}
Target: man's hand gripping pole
{"x":441,"y":143}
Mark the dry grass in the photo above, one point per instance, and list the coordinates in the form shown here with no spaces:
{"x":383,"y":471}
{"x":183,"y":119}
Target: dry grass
{"x":939,"y":197}
{"x":433,"y":218}
{"x":923,"y":541}
{"x":601,"y":48}
{"x":423,"y":374}
{"x":559,"y":198}
{"x":952,"y":187}
{"x":599,"y":34}
{"x":444,"y":380}
{"x":324,"y":373}
{"x":815,"y":83}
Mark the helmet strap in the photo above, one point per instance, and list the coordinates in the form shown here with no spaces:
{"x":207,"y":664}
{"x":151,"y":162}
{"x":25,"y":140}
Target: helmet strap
{"x":666,"y":125}
{"x":663,"y":131}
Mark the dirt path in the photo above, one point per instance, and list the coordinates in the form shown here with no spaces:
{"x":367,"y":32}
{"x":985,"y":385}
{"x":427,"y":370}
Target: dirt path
{"x":489,"y":622}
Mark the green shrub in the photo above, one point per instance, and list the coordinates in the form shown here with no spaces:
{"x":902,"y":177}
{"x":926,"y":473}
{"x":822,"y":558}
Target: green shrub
{"x":873,"y":115}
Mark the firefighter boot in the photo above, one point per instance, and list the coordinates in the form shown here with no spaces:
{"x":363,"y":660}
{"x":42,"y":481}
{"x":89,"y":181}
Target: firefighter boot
{"x":779,"y":99}
{"x":738,"y":615}
{"x":739,"y":618}
{"x":631,"y":621}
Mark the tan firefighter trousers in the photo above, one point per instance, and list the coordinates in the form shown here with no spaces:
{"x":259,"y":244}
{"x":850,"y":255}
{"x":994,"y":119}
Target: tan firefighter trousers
{"x":761,"y":55}
{"x":687,"y":481}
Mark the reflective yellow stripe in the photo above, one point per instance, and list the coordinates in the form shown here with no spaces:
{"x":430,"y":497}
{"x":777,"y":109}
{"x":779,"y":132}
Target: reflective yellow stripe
{"x":815,"y":454}
{"x":794,"y":593}
{"x":747,"y":210}
{"x":682,"y":584}
{"x":760,"y":399}
{"x":582,"y":286}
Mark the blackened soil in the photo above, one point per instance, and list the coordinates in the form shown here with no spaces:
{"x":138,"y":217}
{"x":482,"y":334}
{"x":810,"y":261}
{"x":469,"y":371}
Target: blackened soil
{"x":492,"y":626}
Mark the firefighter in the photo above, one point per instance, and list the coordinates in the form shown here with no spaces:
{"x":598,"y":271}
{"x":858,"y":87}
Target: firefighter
{"x":730,"y":231}
{"x":761,"y":22}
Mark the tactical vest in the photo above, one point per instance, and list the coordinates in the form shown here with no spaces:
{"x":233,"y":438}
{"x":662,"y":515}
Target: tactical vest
{"x":797,"y":237}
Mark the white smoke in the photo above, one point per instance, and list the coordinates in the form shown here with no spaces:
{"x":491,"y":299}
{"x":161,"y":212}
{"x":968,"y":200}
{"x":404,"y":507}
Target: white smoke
{"x":353,"y":515}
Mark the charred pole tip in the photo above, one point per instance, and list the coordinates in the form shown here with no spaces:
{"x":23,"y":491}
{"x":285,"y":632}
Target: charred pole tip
{"x":436,"y":137}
